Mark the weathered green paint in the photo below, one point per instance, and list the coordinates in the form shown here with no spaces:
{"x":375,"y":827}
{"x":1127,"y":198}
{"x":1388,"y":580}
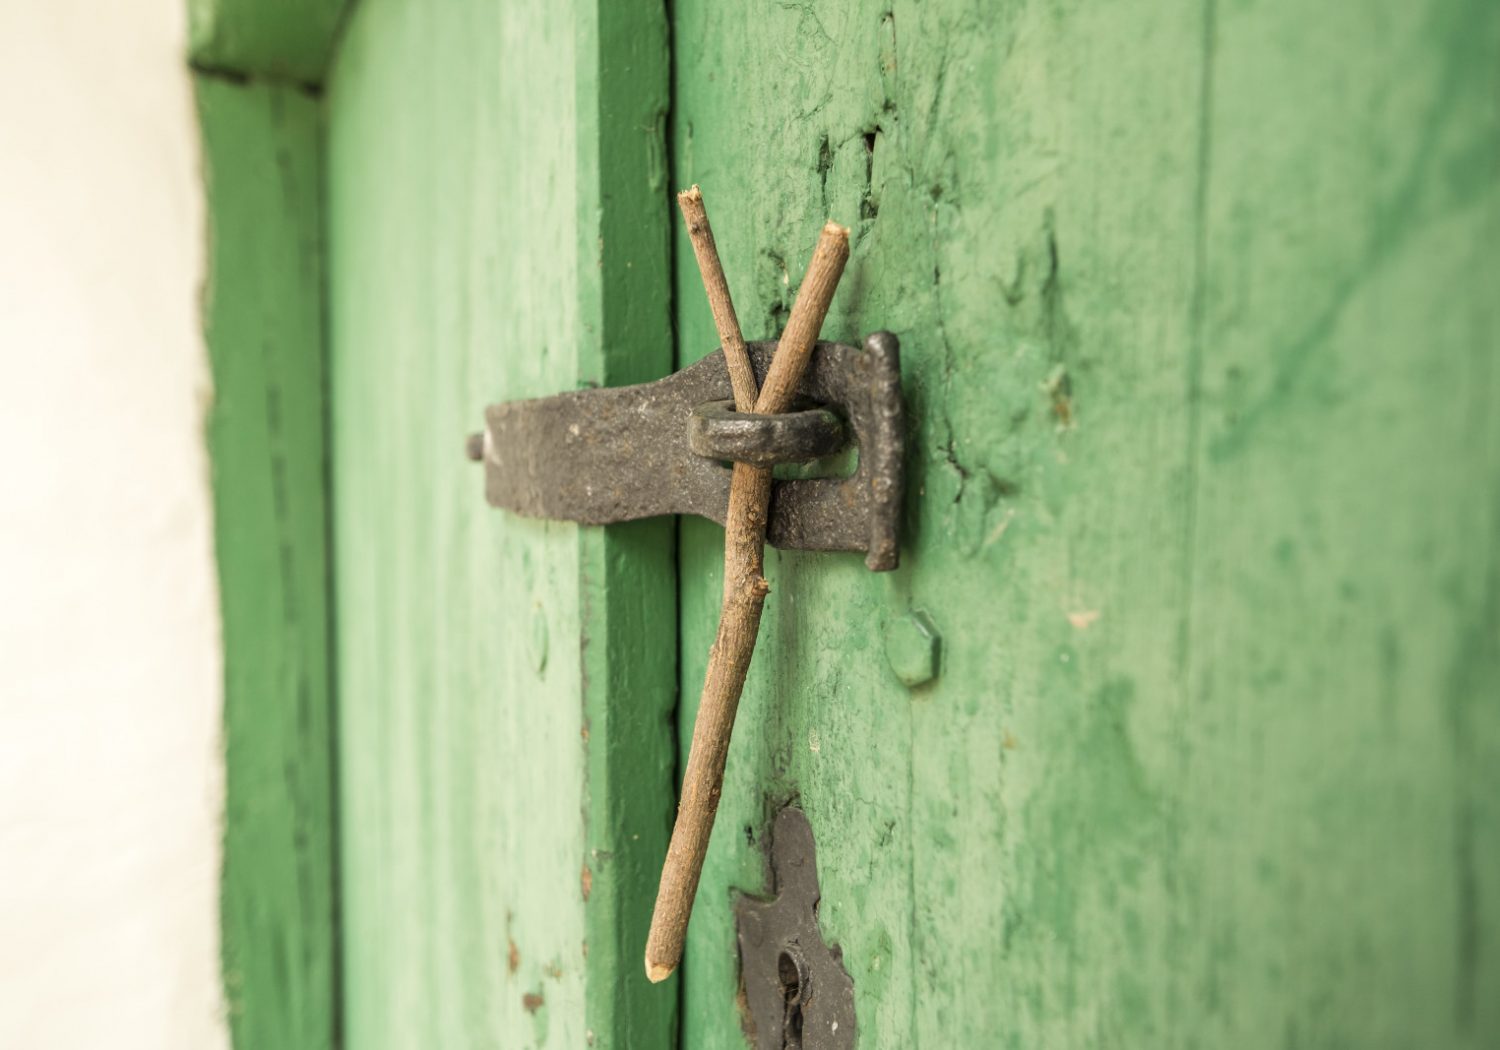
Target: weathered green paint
{"x":628,"y":573}
{"x":497,"y":230}
{"x":278,"y":39}
{"x":1198,"y":312}
{"x":263,"y":322}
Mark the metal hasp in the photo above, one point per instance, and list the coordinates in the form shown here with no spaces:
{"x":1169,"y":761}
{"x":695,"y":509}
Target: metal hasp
{"x":799,"y":995}
{"x":617,"y":454}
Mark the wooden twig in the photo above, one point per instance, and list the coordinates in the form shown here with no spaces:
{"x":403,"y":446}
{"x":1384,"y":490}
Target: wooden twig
{"x":745,"y":591}
{"x":736,"y":357}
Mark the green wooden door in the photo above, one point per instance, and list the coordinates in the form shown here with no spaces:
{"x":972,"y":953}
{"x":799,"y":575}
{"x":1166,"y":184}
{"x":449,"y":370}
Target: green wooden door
{"x":1198,"y":314}
{"x":496,"y":230}
{"x":1179,"y":724}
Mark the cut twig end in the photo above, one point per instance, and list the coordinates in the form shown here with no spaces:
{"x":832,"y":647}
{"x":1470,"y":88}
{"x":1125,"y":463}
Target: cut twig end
{"x":736,"y":358}
{"x":831,"y":229}
{"x":658,"y":972}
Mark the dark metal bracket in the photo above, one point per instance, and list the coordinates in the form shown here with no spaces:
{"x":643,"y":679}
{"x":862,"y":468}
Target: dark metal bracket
{"x":622,"y":453}
{"x":797,"y":990}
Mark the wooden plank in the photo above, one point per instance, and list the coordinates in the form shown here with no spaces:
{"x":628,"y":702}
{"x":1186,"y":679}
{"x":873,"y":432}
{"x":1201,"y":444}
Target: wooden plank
{"x":263,"y":322}
{"x":496,"y":230}
{"x":628,"y":573}
{"x":1341,"y":649}
{"x":1196,"y":304}
{"x":289,"y":40}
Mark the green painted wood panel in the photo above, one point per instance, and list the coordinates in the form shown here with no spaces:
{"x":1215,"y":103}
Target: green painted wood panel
{"x":287,"y":40}
{"x":496,"y":179}
{"x":263,"y":325}
{"x":1199,"y":325}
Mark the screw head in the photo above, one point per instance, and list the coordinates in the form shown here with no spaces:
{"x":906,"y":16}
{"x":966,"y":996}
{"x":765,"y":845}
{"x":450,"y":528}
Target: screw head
{"x":913,"y":648}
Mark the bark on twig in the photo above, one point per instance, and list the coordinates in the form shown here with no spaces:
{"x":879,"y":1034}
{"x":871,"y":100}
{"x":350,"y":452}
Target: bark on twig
{"x":744,"y":585}
{"x":736,"y":357}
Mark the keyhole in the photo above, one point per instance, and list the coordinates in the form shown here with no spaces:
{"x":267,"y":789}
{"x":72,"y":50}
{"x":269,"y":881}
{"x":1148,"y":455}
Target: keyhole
{"x":790,"y":973}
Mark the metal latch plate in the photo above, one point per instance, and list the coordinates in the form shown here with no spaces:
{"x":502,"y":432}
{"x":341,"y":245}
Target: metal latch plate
{"x":799,"y":995}
{"x":622,"y":453}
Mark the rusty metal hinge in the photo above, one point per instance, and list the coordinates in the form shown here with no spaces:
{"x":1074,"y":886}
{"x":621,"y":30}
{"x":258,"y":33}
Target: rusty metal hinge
{"x":622,"y":453}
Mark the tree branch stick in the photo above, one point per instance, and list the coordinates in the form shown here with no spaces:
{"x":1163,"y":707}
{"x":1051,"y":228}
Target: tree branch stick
{"x":736,"y":357}
{"x":745,"y":591}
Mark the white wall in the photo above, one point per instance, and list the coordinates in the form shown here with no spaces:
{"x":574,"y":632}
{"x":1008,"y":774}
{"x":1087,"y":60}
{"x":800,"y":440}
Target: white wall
{"x":110,"y":778}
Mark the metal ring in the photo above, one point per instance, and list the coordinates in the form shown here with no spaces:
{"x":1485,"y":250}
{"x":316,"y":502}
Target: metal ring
{"x":717,"y":431}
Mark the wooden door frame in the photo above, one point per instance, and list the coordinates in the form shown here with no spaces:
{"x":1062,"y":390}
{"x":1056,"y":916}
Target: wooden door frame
{"x":258,"y":70}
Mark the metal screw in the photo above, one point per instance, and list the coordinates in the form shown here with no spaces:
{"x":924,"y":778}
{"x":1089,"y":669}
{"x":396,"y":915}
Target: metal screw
{"x":913,"y":648}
